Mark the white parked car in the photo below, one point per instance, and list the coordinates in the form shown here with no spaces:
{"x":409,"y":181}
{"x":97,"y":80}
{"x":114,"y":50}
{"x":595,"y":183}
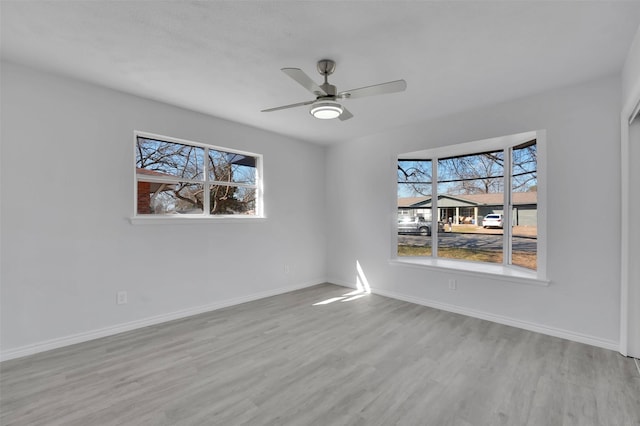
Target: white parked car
{"x":493,"y":220}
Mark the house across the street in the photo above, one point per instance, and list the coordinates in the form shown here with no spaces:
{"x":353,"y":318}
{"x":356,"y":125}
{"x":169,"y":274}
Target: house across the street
{"x":470,"y":209}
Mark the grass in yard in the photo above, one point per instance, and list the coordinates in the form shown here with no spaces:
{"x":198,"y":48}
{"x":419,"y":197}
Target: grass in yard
{"x":523,"y":259}
{"x":413,"y":250}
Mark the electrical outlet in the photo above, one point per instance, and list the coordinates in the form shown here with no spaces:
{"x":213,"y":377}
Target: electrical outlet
{"x":287,"y":269}
{"x":121,"y":298}
{"x":453,"y":285}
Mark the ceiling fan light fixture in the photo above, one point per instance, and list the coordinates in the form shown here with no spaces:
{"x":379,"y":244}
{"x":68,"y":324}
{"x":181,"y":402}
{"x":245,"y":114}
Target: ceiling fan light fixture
{"x":326,"y":110}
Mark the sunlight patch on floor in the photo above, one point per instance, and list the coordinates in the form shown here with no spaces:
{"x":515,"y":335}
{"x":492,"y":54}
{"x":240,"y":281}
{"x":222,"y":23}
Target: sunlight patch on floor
{"x":362,"y":289}
{"x":331,"y":300}
{"x":347,"y":297}
{"x":354,"y":297}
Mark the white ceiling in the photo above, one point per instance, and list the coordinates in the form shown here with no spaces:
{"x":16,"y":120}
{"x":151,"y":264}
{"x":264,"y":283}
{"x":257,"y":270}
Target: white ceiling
{"x":224,"y":57}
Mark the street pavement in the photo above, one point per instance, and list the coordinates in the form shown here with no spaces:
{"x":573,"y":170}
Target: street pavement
{"x":476,"y":241}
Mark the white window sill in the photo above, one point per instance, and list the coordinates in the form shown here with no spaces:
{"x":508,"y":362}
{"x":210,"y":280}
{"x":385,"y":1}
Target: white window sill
{"x":500,"y":272}
{"x":193,"y":219}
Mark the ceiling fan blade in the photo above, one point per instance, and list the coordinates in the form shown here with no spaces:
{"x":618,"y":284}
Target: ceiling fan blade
{"x":346,"y":114}
{"x":304,"y":80}
{"x":376,"y":89}
{"x":288,"y":106}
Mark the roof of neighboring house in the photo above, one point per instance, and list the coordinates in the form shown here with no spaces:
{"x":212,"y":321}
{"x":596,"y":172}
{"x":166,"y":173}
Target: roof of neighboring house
{"x":492,"y":199}
{"x":410,"y":201}
{"x":147,"y":172}
{"x":155,"y":186}
{"x":498,"y":198}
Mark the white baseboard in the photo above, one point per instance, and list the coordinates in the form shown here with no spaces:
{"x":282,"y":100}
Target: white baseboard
{"x":47,"y":345}
{"x":342,"y":283}
{"x":525,"y":325}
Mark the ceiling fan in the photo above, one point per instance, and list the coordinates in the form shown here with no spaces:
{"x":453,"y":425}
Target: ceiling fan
{"x":326,"y":105}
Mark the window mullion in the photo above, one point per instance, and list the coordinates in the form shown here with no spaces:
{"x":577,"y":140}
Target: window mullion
{"x":259,"y":188}
{"x":234,"y":184}
{"x":435,"y":217}
{"x":507,"y":209}
{"x":207,"y":191}
{"x":166,"y":179}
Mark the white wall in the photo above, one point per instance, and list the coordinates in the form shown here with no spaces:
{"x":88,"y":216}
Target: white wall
{"x":582,"y":300}
{"x":631,"y":71}
{"x":67,"y":193}
{"x":633,"y":233}
{"x":630,"y":321}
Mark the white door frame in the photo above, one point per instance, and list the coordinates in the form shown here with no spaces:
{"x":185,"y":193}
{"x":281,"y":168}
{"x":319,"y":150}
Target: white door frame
{"x":629,"y":111}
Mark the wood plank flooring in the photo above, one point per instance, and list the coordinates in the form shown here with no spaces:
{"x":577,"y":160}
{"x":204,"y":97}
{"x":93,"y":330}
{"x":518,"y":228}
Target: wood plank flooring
{"x":283,"y":361}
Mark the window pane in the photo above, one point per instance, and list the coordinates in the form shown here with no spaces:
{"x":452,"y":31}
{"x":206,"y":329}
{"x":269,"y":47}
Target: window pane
{"x":414,"y":178}
{"x":414,"y":208}
{"x":169,"y":198}
{"x":470,"y":207}
{"x":232,"y":200}
{"x":160,"y":158}
{"x":414,"y":236}
{"x":524,"y":181}
{"x":232,"y":167}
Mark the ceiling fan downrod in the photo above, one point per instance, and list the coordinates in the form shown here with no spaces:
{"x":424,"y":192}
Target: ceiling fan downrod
{"x":326,"y":67}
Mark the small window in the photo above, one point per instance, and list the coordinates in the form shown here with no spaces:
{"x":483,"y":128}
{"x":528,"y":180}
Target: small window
{"x":177,"y":177}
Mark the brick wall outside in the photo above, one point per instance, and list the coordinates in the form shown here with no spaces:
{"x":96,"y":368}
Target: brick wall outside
{"x":144,"y":198}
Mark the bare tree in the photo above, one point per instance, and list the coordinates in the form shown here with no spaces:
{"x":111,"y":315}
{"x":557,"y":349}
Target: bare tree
{"x":481,"y":173}
{"x":177,"y":161}
{"x":525,"y":167}
{"x":472,"y":174}
{"x":414,"y":177}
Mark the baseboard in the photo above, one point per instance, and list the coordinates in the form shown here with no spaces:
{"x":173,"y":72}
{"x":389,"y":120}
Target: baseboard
{"x":145,"y":322}
{"x":525,"y":325}
{"x":342,"y":283}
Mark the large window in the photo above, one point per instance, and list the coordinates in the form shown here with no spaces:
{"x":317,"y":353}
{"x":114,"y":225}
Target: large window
{"x":177,"y":177}
{"x":481,"y":204}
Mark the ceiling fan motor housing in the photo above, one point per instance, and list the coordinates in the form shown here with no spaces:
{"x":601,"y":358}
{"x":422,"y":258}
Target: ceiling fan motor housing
{"x":329,"y":89}
{"x":326,"y":67}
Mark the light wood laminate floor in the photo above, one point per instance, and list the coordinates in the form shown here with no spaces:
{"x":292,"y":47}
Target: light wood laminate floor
{"x":283,"y":361}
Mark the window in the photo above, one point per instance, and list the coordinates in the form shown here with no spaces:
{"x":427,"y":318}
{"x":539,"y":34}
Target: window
{"x":462,"y":181}
{"x":177,"y":177}
{"x":414,"y":200}
{"x":480,"y":198}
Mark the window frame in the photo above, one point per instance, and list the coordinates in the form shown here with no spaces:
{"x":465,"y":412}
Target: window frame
{"x":205,"y":216}
{"x":505,"y":270}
